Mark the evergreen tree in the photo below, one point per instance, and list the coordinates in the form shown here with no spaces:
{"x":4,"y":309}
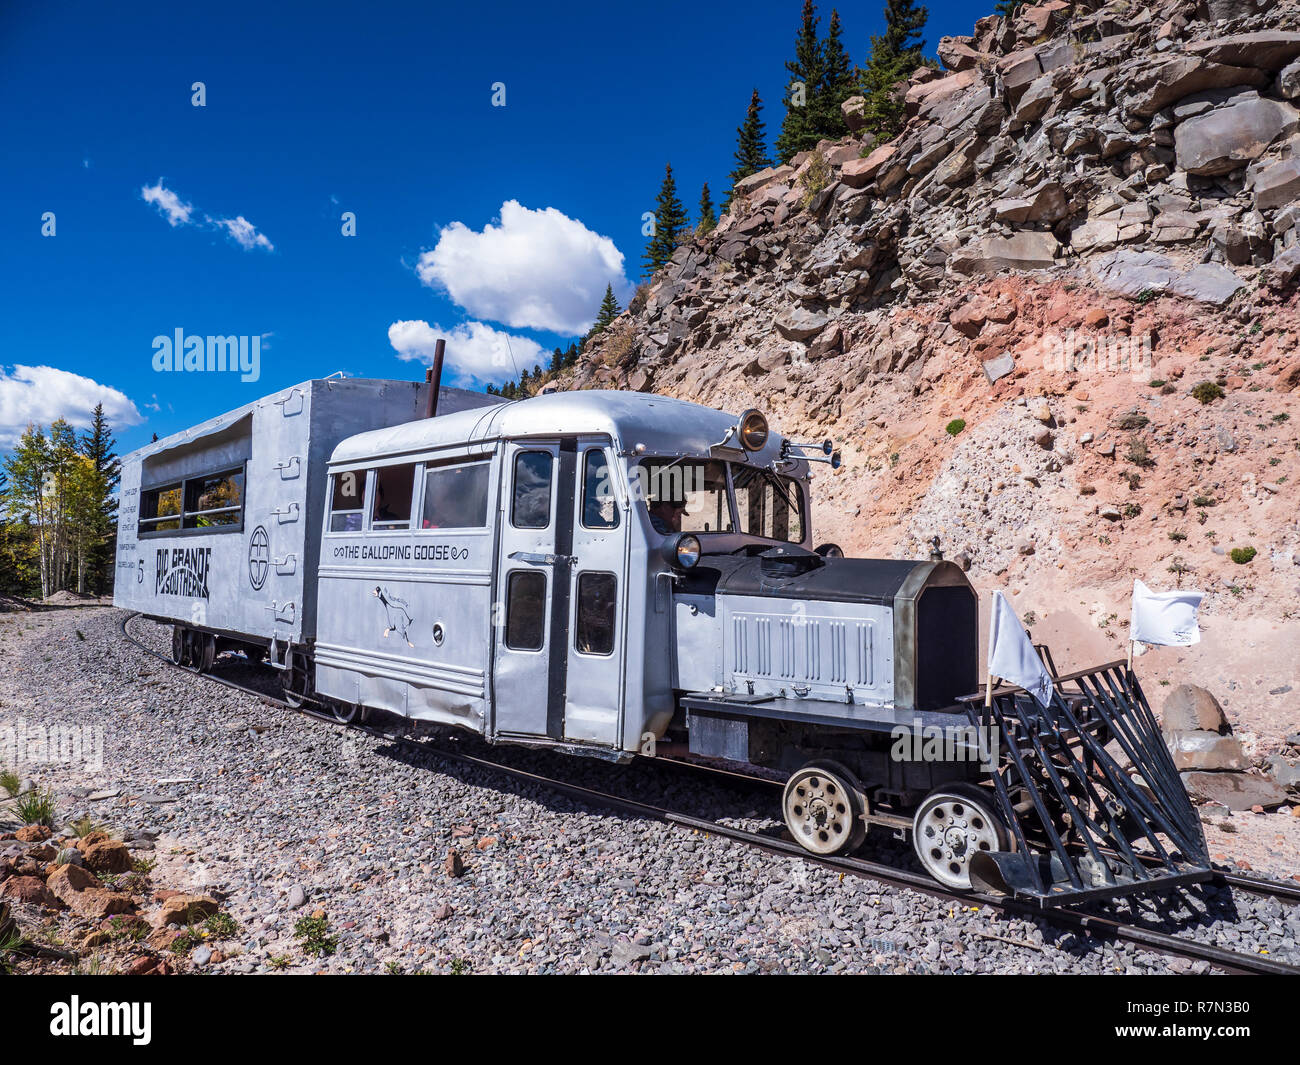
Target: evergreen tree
{"x":894,"y":55}
{"x":838,"y":83}
{"x":557,"y":359}
{"x":798,"y":128}
{"x":97,"y":445}
{"x":670,"y":225}
{"x":571,"y":355}
{"x":609,"y":310}
{"x":708,"y":218}
{"x":904,"y":21}
{"x":1008,"y":8}
{"x":751,"y":147}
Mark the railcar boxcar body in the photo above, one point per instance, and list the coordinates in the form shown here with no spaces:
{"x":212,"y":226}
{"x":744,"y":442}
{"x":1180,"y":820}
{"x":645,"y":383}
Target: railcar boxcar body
{"x":616,"y":574}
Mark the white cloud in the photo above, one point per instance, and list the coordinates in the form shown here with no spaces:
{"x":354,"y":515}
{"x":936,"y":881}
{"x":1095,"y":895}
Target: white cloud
{"x":178,"y":213}
{"x":43,"y":394}
{"x":168,"y":203}
{"x":243,"y":232}
{"x":474,"y":350}
{"x":533,"y":270}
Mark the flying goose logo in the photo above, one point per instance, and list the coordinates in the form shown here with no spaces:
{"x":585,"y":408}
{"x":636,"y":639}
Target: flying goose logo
{"x":399,"y":618}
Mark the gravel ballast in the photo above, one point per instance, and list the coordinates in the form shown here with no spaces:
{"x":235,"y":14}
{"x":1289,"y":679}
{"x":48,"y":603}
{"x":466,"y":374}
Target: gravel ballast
{"x":282,"y":816}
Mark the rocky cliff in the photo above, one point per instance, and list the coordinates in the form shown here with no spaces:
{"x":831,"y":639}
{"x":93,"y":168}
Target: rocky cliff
{"x":1052,"y":323}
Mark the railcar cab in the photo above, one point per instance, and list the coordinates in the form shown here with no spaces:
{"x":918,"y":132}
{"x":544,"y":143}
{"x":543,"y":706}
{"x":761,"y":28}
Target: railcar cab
{"x":511,"y":569}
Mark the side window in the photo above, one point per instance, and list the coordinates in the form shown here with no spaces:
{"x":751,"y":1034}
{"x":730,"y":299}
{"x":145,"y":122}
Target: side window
{"x":455,"y":496}
{"x":530,"y":506}
{"x":599,"y":507}
{"x":394,"y":486}
{"x":597,"y":610}
{"x":214,"y":500}
{"x":526,"y":610}
{"x":160,"y":509}
{"x":345,"y":501}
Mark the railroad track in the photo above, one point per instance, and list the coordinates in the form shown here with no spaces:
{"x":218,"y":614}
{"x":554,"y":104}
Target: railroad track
{"x":1094,"y":925}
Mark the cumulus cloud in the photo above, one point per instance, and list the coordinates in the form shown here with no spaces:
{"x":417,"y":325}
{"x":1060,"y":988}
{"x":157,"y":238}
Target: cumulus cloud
{"x":531,"y":270}
{"x":43,"y":394}
{"x":179,"y":213}
{"x":243,"y":232}
{"x":474,"y":350}
{"x":169,"y":205}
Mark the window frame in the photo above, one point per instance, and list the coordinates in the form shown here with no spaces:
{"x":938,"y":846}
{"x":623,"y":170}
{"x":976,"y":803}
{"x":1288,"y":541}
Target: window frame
{"x":143,"y":531}
{"x":390,"y":525}
{"x":604,"y":453}
{"x":361,"y":511}
{"x":511,"y":577}
{"x":577,"y":613}
{"x":481,"y":458}
{"x":520,"y":453}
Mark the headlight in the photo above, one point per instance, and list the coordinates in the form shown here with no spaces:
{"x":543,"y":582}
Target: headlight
{"x":753,"y":430}
{"x":683,"y":551}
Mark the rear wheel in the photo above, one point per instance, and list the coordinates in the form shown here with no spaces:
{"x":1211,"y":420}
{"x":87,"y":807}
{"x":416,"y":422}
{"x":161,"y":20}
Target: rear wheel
{"x":179,"y":645}
{"x":823,"y":807}
{"x":951,"y":826}
{"x":297,"y":680}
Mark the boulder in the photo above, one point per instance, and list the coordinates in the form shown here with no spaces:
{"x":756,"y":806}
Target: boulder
{"x":754,"y":182}
{"x":31,"y":891}
{"x":1288,"y":81}
{"x":32,"y":834}
{"x":1280,"y":274}
{"x":1268,"y":50}
{"x":185,"y":909}
{"x":852,"y":109}
{"x":859,"y":173}
{"x":1236,"y":791}
{"x":1227,"y":138}
{"x":1191,"y":708}
{"x":82,"y":891}
{"x":1130,"y":273}
{"x":1021,"y":251}
{"x":1168,"y":82}
{"x":997,"y":368}
{"x":959,"y":53}
{"x":800,"y":324}
{"x":1277,"y":185}
{"x":108,"y":856}
{"x":1206,"y":750}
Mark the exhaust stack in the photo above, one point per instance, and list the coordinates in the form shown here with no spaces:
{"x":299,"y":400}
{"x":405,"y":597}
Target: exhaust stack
{"x":433,"y":377}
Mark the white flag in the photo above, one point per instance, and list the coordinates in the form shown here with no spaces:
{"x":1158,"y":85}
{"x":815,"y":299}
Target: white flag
{"x":1011,"y":653}
{"x":1165,"y":618}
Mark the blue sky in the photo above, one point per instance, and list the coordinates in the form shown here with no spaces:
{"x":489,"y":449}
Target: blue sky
{"x":383,"y":110}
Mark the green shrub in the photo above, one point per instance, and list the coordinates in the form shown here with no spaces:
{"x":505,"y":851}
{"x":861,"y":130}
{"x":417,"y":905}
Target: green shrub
{"x":955,"y":426}
{"x":1242,"y":555}
{"x":36,"y":808}
{"x":313,"y":932}
{"x":1207,"y":392}
{"x":11,"y":782}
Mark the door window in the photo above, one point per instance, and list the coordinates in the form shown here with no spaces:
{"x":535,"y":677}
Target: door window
{"x":599,"y":507}
{"x":597,"y":612}
{"x":530,"y":507}
{"x":526,"y":610}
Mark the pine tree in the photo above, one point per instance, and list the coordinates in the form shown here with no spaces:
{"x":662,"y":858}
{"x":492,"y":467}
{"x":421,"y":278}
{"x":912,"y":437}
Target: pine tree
{"x":751,"y":147}
{"x":708,"y":217}
{"x":838,"y":82}
{"x":904,"y":21}
{"x":670,"y":225}
{"x":557,"y":359}
{"x":798,"y":128}
{"x":97,"y":445}
{"x":609,"y":310}
{"x":571,"y":355}
{"x":894,"y":55}
{"x":1008,"y":8}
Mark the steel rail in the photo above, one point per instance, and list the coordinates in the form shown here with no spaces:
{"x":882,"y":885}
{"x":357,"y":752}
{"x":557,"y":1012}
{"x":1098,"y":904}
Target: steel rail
{"x":1090,"y":924}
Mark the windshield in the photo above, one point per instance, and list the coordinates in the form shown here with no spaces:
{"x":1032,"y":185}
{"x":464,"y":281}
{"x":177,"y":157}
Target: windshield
{"x":690,"y":495}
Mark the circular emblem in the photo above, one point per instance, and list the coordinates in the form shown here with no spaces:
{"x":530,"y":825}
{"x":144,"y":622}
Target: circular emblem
{"x":259,"y":557}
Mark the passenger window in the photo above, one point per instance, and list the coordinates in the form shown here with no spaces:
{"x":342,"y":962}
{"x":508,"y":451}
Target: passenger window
{"x":393,"y":488}
{"x":455,"y":496}
{"x":599,"y":507}
{"x":160,"y":509}
{"x":345,"y":501}
{"x":597,"y":609}
{"x":530,"y":507}
{"x":214,"y":500}
{"x":526,"y":610}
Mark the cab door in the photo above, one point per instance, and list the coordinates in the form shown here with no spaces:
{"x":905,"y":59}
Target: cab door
{"x":598,"y":597}
{"x":533,"y":581}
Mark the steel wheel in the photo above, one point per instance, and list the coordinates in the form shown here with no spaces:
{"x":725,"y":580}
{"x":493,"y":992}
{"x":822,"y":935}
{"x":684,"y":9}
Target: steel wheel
{"x":954,"y":824}
{"x":178,"y":645}
{"x":297,"y":681}
{"x":345,"y":713}
{"x":823,"y":807}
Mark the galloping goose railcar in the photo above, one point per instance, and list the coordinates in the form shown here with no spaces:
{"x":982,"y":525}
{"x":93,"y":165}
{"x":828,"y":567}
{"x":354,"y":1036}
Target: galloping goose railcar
{"x":619,"y":574}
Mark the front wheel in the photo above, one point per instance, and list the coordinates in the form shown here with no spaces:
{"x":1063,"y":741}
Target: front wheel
{"x":951,"y":826}
{"x":823,"y":807}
